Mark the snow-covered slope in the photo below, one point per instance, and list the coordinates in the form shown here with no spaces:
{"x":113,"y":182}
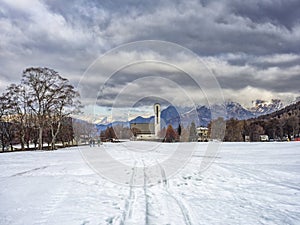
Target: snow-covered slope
{"x":247,"y":183}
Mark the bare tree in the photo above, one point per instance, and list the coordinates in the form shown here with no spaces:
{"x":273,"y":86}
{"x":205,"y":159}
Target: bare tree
{"x":171,"y":135}
{"x":7,"y":130}
{"x":255,"y":131}
{"x":52,"y":98}
{"x":83,"y":130}
{"x":64,"y":103}
{"x":78,"y":130}
{"x":66,"y":133}
{"x":292,"y":126}
{"x":17,"y":101}
{"x":110,"y":133}
{"x":3,"y":111}
{"x":234,"y":130}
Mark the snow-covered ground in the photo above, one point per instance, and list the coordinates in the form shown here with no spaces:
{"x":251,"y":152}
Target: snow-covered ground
{"x":246,"y":183}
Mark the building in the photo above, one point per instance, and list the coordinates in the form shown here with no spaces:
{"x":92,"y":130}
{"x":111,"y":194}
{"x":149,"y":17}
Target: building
{"x":264,"y":137}
{"x":148,"y":131}
{"x":142,"y":130}
{"x":157,"y":119}
{"x":247,"y":138}
{"x":202,"y":133}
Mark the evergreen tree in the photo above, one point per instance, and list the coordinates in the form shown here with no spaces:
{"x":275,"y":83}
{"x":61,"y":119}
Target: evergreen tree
{"x":193,"y":132}
{"x":179,"y":130}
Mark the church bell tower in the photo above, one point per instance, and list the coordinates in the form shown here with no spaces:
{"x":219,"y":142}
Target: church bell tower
{"x":157,"y":119}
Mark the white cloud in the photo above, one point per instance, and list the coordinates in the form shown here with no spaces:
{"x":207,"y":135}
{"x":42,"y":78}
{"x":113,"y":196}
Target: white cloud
{"x":242,"y":96}
{"x":278,"y":58}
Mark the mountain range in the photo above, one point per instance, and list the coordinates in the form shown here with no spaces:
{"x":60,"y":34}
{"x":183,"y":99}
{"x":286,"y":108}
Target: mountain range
{"x":202,"y":115}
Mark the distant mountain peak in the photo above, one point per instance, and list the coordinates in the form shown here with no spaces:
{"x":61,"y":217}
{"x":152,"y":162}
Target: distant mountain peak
{"x":260,"y":107}
{"x":203,"y":114}
{"x":237,"y":111}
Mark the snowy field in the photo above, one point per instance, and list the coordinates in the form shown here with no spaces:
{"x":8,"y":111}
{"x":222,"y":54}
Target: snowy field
{"x":246,"y":183}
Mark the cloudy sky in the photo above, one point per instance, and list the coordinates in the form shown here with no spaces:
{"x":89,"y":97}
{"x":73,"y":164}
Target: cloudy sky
{"x":252,"y":48}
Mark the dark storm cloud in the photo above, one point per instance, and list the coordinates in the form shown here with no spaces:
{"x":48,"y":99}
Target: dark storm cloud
{"x":121,"y":79}
{"x":148,"y":86}
{"x":280,"y":84}
{"x":285,"y":84}
{"x":249,"y":38}
{"x":238,"y":82}
{"x":206,"y":27}
{"x":151,"y":100}
{"x":282,"y":13}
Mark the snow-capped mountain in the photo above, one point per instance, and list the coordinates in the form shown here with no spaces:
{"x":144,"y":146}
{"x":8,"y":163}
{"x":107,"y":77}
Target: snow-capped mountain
{"x":237,"y":111}
{"x":168,"y":116}
{"x":202,"y":115}
{"x":228,"y":110}
{"x":261,"y":107}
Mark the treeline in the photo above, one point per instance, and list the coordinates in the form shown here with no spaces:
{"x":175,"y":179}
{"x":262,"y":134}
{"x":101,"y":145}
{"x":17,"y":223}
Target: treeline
{"x":168,"y":134}
{"x":116,"y":132}
{"x":83,"y":131}
{"x":281,"y":125}
{"x":181,"y":133}
{"x":37,"y":110}
{"x":10,"y":136}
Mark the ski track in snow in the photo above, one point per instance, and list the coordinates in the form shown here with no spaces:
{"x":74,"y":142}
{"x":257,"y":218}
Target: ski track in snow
{"x":127,"y":213}
{"x":145,"y":188}
{"x":183,"y":208}
{"x":165,"y":198}
{"x":29,"y":171}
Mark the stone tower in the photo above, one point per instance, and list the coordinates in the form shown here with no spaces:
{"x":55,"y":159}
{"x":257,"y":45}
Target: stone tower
{"x":157,"y":119}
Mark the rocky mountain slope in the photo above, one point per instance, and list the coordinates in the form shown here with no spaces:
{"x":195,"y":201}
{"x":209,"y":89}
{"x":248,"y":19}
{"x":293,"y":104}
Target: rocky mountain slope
{"x":202,"y":115}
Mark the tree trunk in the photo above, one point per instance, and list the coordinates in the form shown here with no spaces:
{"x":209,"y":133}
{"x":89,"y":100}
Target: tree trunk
{"x":22,"y":146}
{"x":281,"y":132}
{"x":2,"y":142}
{"x":54,"y":135}
{"x":23,"y":141}
{"x":40,"y":145}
